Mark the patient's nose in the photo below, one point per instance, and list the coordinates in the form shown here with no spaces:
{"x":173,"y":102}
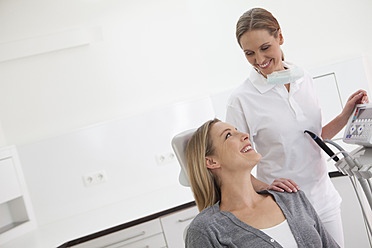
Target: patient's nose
{"x":245,"y":136}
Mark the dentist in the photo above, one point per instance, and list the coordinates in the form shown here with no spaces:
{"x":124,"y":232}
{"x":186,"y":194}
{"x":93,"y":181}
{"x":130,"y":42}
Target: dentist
{"x":275,"y":104}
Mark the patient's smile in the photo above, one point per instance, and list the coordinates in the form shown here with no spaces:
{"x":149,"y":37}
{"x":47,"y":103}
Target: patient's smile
{"x":246,"y":149}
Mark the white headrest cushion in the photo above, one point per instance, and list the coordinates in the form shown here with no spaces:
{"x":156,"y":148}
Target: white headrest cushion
{"x":179,"y":143}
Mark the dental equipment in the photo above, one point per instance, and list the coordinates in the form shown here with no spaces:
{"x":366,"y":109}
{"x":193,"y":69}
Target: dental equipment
{"x":357,"y":163}
{"x":322,"y":145}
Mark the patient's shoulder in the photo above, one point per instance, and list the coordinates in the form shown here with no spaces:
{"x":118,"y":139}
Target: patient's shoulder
{"x":205,"y":215}
{"x":294,"y":201}
{"x":287,"y":198}
{"x":209,"y":218}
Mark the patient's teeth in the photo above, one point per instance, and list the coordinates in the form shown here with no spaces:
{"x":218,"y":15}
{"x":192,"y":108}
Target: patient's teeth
{"x":247,"y":148}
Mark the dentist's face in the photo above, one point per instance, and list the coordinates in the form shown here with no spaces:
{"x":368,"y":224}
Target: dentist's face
{"x":262,"y":50}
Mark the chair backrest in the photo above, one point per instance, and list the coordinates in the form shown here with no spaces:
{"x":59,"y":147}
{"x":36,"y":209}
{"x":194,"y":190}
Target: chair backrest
{"x":179,"y":143}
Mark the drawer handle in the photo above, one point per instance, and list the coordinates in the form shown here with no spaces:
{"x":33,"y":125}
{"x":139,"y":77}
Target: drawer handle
{"x":184,"y":220}
{"x":129,"y":238}
{"x":134,"y":236}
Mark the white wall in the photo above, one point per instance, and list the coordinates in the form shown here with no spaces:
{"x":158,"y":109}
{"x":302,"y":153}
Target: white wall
{"x":126,"y":150}
{"x":152,"y":53}
{"x":3,"y":141}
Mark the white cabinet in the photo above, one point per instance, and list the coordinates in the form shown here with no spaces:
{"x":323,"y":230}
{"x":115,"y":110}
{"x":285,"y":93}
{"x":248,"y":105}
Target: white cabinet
{"x":162,"y":230}
{"x":16,"y":215}
{"x":175,"y":224}
{"x":152,"y":242}
{"x":148,"y":234}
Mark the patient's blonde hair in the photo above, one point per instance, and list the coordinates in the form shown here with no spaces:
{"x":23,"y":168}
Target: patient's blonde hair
{"x":205,"y":186}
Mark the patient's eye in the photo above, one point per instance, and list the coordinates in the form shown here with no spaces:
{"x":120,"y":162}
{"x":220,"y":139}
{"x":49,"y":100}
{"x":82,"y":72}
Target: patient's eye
{"x":228,"y":135}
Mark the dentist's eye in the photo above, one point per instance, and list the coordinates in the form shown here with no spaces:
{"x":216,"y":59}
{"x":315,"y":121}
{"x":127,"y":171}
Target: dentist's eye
{"x":248,"y":53}
{"x":228,"y":135}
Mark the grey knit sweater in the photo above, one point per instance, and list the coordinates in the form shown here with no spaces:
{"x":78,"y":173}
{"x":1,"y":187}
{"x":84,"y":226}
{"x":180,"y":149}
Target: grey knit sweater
{"x":215,"y":228}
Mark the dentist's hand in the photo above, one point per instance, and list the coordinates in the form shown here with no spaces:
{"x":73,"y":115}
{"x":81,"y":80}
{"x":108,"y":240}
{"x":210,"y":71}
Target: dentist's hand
{"x":284,"y":184}
{"x":359,"y":97}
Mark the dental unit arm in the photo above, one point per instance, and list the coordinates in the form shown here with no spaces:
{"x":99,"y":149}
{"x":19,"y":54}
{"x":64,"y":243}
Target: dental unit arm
{"x":358,"y":163}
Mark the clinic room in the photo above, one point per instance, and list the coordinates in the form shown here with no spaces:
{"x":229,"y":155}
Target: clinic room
{"x":187,"y":123}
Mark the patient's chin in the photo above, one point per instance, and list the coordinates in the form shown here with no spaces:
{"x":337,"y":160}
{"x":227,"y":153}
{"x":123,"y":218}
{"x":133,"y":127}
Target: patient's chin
{"x":257,"y":159}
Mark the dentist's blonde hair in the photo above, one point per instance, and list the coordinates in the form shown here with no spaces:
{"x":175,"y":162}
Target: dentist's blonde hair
{"x":255,"y":19}
{"x":205,"y":186}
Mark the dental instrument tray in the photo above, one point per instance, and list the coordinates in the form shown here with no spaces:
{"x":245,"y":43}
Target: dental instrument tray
{"x":359,"y":127}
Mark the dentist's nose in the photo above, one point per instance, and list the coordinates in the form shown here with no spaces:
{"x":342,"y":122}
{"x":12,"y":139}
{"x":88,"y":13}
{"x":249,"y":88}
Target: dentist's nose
{"x":260,"y":58}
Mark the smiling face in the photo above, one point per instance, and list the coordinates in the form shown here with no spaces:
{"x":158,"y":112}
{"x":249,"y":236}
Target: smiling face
{"x":233,"y":150}
{"x":262,"y":50}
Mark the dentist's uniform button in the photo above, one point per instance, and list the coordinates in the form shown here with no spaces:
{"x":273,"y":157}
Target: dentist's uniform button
{"x":272,"y":240}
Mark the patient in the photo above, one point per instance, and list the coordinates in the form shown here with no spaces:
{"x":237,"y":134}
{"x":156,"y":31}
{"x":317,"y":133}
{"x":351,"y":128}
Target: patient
{"x":219,"y":162}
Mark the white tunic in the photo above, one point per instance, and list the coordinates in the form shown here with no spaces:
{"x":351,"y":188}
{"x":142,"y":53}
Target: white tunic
{"x":276,"y":120}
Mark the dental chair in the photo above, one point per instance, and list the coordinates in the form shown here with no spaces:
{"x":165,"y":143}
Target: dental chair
{"x":179,"y":143}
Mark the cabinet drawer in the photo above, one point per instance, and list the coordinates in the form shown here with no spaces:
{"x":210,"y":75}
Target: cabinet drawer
{"x":174,"y":226}
{"x":9,"y":184}
{"x":156,"y":241}
{"x":126,"y":236}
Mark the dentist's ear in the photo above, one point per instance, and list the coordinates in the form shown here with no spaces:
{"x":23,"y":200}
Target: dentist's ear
{"x":210,"y":163}
{"x":281,"y":38}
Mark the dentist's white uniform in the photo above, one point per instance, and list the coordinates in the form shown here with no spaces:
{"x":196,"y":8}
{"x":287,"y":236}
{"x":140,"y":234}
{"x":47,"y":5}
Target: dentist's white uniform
{"x":276,"y":120}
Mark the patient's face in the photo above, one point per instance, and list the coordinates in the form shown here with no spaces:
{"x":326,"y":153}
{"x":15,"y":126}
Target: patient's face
{"x":233,"y":149}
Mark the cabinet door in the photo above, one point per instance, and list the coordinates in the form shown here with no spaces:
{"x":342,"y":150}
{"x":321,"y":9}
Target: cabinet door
{"x":126,"y":236}
{"x":9,"y":185}
{"x":174,"y":226}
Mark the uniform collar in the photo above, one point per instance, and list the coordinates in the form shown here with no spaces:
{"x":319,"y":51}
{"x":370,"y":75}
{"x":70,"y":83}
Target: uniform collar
{"x":260,"y":82}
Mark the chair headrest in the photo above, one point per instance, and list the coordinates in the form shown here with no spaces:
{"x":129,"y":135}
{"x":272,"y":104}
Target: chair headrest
{"x":179,"y":143}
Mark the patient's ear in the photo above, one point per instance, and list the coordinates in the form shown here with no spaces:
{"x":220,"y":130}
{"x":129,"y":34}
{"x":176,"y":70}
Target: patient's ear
{"x":211,"y":163}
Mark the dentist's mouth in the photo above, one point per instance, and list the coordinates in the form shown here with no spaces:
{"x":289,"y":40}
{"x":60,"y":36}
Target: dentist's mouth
{"x":264,"y":66}
{"x":246,"y":149}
